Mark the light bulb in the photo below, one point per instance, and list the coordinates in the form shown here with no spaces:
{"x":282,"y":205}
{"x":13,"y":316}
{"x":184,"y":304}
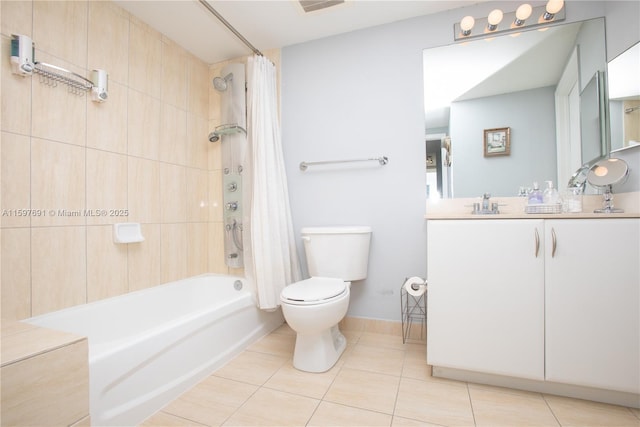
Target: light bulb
{"x":523,"y":12}
{"x":494,"y":19}
{"x":467,"y":24}
{"x":554,"y":6}
{"x":601,"y":171}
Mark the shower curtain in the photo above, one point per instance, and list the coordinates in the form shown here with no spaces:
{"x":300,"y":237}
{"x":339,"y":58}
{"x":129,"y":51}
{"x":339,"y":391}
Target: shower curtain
{"x":272,"y":263}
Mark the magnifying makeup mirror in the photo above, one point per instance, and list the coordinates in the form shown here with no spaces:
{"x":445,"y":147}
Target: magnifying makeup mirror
{"x":603,"y":175}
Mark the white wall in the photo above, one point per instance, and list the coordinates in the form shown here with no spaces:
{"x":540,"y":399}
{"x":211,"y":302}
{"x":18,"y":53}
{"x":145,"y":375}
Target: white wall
{"x":358,"y":95}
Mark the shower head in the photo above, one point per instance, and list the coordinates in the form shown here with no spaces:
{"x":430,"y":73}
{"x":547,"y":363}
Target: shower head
{"x":221,"y":83}
{"x":214,"y":137}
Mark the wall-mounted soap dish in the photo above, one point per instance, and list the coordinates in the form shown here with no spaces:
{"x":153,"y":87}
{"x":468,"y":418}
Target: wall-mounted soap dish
{"x":127,"y":232}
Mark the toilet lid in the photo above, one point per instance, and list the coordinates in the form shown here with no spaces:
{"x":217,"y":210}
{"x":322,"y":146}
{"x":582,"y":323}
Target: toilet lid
{"x":315,"y":289}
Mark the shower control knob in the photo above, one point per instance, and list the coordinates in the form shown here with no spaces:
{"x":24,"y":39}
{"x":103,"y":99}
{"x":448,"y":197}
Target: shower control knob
{"x":232,"y":187}
{"x":232,"y":206}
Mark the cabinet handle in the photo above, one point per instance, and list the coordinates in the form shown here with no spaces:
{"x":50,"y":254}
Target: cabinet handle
{"x":555,"y":243}
{"x":537,"y":242}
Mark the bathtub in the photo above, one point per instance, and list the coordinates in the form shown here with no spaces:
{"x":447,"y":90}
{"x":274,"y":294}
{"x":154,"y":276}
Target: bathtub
{"x":148,"y":347}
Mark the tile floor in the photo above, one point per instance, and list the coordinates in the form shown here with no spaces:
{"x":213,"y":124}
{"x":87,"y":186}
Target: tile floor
{"x":378,"y":381}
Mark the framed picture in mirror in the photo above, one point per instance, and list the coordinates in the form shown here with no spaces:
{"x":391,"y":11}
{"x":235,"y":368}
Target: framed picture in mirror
{"x":497,"y":142}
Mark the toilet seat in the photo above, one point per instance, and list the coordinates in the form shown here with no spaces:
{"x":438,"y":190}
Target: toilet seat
{"x":313,"y":291}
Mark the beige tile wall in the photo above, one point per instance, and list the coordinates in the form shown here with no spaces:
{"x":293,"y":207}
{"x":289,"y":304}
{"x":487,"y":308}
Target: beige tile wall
{"x":45,"y":376}
{"x":145,"y":150}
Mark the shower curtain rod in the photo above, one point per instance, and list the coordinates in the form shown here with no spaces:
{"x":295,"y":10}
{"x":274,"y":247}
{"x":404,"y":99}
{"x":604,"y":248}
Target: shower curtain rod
{"x":230,"y":27}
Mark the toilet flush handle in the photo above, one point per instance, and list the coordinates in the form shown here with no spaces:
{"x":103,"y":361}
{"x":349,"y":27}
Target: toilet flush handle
{"x":306,"y":238}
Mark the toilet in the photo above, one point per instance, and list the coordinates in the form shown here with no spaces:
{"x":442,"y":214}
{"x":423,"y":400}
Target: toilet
{"x":336,"y":256}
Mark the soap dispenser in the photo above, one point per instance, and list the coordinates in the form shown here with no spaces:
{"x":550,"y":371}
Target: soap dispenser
{"x":536,"y":196}
{"x":551,"y":196}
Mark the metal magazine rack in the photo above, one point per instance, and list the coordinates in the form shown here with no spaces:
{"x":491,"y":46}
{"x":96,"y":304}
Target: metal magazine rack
{"x":413,"y":307}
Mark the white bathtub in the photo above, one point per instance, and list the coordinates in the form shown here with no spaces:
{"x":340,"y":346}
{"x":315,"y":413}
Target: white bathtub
{"x":148,"y":347}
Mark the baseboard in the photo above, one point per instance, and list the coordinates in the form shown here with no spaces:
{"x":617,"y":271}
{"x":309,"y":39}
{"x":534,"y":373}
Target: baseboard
{"x":598,"y":395}
{"x":416,"y":331}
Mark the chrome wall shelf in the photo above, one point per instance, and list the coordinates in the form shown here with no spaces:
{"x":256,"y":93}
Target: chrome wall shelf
{"x":51,"y":75}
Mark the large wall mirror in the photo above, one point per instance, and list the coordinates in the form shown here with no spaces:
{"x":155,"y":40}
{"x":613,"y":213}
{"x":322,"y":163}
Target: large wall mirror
{"x":529,"y":84}
{"x":624,"y":99}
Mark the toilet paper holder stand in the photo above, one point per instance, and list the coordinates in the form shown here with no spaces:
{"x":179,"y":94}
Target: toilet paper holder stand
{"x":413,"y":306}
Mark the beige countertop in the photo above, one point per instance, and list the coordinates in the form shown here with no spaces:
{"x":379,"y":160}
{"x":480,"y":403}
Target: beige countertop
{"x":514,"y":208}
{"x":21,"y":340}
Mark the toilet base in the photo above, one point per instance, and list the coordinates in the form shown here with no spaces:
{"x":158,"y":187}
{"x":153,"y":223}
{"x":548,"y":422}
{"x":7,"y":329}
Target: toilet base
{"x":318,"y":352}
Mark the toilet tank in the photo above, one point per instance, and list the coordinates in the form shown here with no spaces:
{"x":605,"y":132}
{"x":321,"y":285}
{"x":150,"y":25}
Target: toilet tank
{"x":340,"y":252}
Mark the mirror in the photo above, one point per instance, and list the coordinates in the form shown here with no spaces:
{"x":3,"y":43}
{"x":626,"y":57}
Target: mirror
{"x":592,"y":125}
{"x":624,"y":99}
{"x":512,"y":82}
{"x":603,"y":175}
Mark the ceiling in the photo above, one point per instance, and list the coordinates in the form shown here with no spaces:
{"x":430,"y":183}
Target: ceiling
{"x":269,"y":24}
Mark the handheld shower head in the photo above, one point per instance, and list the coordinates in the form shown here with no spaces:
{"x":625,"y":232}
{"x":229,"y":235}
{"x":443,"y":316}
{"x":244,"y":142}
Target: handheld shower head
{"x":221,"y":83}
{"x":221,"y":130}
{"x":214,"y":137}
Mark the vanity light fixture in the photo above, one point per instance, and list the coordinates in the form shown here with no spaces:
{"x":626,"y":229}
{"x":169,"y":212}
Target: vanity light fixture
{"x":525,"y":16}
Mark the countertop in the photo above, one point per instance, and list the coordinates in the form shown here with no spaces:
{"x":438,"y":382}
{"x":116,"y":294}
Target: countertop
{"x":21,"y":340}
{"x":514,"y":208}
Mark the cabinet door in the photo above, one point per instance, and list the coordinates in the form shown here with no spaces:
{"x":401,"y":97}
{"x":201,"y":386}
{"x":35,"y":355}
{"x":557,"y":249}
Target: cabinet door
{"x":592,"y":303}
{"x":486,"y":296}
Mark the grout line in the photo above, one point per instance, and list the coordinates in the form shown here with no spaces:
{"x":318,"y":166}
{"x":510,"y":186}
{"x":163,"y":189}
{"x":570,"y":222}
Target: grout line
{"x":243,"y":403}
{"x":395,"y":402}
{"x":550,"y":409}
{"x":179,"y":416}
{"x":473,"y":414}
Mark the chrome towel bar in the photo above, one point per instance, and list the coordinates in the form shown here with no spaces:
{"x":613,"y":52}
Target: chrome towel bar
{"x":382,"y":160}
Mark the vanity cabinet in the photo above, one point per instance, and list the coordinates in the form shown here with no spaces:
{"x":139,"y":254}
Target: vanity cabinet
{"x":486,"y":296}
{"x":541,"y":299}
{"x":592,"y":303}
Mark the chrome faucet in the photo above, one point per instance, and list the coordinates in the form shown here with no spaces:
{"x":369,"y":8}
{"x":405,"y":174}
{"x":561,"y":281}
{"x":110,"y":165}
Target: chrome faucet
{"x":487,"y":206}
{"x":485,"y":201}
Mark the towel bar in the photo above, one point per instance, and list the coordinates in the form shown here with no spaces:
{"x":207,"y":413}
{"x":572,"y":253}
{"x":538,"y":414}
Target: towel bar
{"x":382,"y":160}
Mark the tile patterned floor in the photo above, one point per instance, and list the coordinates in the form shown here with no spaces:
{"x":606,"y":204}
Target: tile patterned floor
{"x":378,"y":381}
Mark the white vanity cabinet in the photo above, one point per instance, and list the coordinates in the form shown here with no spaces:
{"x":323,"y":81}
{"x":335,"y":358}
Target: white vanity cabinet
{"x":592,"y":303}
{"x":486,"y":296}
{"x":544,"y":299}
